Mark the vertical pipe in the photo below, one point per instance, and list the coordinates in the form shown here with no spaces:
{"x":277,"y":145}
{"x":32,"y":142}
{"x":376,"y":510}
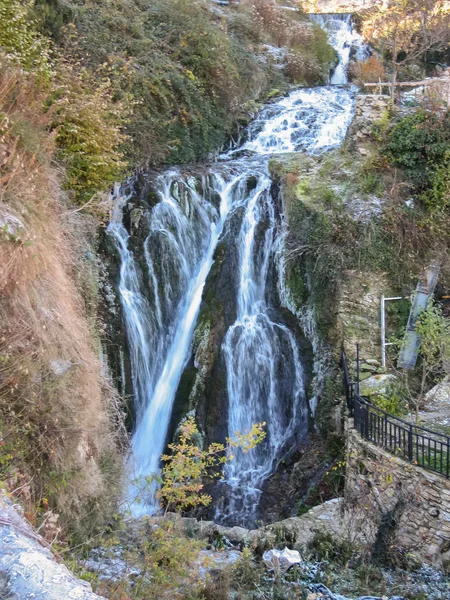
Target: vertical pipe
{"x":383,"y":332}
{"x":357,"y":370}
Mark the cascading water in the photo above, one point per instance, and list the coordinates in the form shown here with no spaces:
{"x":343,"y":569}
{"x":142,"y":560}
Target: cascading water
{"x":344,"y":39}
{"x":311,"y":120}
{"x":161,"y":294}
{"x":264,"y":374}
{"x":184,"y":231}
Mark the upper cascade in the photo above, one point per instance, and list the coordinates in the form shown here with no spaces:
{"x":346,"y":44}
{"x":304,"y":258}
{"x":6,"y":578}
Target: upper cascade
{"x":310,"y":120}
{"x":345,"y":40}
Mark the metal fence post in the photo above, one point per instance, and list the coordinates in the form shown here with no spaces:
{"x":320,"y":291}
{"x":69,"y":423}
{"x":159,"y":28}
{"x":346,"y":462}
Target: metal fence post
{"x":357,"y":370}
{"x":448,"y":457}
{"x":410,"y":443}
{"x":366,"y":422}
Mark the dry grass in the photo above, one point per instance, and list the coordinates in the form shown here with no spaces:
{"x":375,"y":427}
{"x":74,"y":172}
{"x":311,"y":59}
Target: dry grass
{"x":59,"y":415}
{"x":283,"y":29}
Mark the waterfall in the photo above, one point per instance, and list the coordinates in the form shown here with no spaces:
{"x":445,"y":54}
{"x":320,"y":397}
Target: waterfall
{"x":184,"y":230}
{"x":264,"y":375}
{"x":343,"y":38}
{"x":311,"y":120}
{"x":161,"y":293}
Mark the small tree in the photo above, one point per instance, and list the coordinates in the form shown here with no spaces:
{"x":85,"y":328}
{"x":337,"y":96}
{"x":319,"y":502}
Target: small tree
{"x":434,"y":331}
{"x":187,"y":465}
{"x":407,"y":30}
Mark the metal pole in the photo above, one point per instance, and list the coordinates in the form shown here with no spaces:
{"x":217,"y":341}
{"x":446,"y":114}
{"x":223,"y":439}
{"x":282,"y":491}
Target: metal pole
{"x":383,"y":325}
{"x":357,"y":369}
{"x":383,"y":332}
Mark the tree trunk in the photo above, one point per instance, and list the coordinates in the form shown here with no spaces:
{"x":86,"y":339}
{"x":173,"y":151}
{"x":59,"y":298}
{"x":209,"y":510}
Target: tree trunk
{"x":394,"y":70}
{"x":394,"y":81}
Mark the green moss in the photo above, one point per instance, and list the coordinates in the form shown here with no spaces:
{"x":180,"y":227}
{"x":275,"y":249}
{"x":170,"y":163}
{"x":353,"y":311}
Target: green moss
{"x":331,"y":397}
{"x":297,"y":285}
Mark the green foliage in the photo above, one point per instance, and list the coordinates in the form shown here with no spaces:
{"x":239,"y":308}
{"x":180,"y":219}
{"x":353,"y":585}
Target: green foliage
{"x":326,"y":546}
{"x":434,"y":331}
{"x":166,"y":559}
{"x":189,"y":77}
{"x":89,"y":132}
{"x":18,"y":38}
{"x":393,"y":401}
{"x":419,"y":144}
{"x":192,"y":72}
{"x":325,"y":53}
{"x":246,"y":573}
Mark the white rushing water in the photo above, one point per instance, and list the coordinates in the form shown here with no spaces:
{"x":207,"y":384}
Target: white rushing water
{"x":161,"y":292}
{"x":310,"y":120}
{"x":264,"y":374}
{"x":184,"y":230}
{"x":344,"y":39}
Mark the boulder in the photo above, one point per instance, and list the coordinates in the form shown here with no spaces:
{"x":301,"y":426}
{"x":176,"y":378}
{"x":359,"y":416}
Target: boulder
{"x":281,"y":560}
{"x":377,"y":384}
{"x":440,"y":394}
{"x":27,"y":567}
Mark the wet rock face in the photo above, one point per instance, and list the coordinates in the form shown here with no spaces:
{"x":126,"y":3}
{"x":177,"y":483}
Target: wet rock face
{"x":28,"y":569}
{"x":217,"y":314}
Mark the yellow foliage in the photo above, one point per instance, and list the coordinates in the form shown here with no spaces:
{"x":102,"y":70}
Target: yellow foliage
{"x":187,"y":465}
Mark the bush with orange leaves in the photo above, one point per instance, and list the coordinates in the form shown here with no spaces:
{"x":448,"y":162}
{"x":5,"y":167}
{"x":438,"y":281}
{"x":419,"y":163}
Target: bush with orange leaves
{"x":368,"y":71}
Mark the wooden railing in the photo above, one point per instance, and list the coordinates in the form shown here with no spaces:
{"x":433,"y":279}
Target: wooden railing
{"x":420,"y":446}
{"x":436,"y":86}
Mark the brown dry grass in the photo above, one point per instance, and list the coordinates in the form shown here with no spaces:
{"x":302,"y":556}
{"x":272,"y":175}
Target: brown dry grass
{"x":59,"y":416}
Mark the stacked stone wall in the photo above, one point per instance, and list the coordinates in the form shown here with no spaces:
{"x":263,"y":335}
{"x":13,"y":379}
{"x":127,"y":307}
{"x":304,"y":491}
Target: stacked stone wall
{"x":379,"y":482}
{"x":369,"y":109}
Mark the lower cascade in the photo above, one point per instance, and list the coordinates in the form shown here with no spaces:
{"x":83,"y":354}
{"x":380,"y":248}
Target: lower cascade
{"x":264,"y":374}
{"x":165,"y":262}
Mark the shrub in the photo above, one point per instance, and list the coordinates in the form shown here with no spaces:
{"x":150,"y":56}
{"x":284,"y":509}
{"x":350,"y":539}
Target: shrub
{"x":168,"y":563}
{"x":419,"y":144}
{"x":299,"y":68}
{"x":368,"y":71}
{"x":89,"y":131}
{"x":326,"y":546}
{"x":392,"y":402}
{"x":19,"y":39}
{"x":246,"y":573}
{"x":187,"y":464}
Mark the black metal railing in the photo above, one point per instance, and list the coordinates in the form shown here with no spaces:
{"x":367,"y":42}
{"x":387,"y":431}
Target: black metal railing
{"x":418,"y":445}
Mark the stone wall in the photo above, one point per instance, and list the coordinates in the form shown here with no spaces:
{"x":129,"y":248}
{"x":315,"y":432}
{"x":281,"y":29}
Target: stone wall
{"x":359,"y":312}
{"x":370,"y":108}
{"x":378,"y":482}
